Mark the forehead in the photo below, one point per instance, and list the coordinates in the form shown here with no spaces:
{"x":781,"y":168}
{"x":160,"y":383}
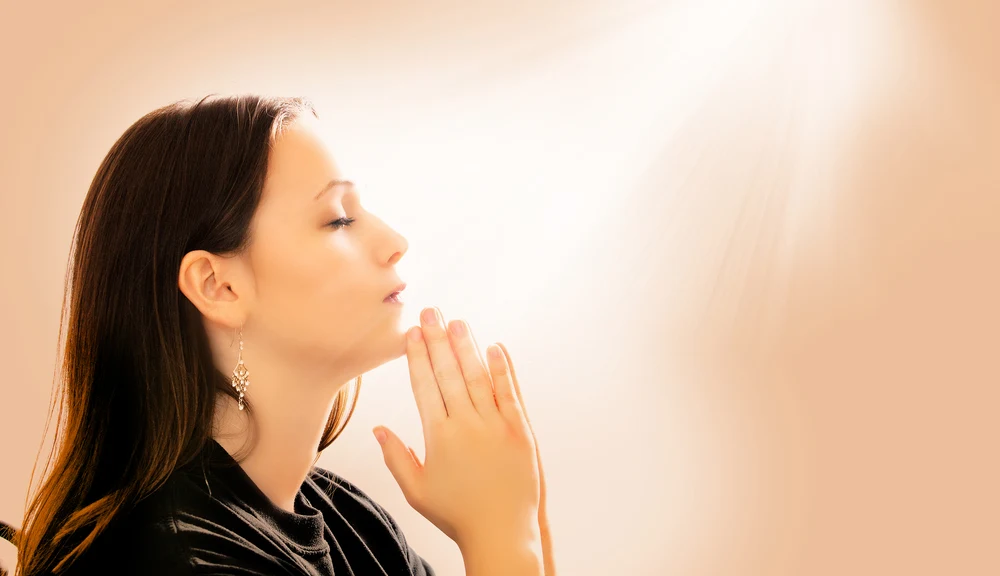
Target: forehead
{"x":300,"y":164}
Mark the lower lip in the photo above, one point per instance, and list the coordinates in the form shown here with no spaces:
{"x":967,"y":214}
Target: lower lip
{"x":394,"y":299}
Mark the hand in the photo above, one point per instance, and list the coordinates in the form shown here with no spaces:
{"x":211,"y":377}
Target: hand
{"x":543,"y":516}
{"x":481,"y":481}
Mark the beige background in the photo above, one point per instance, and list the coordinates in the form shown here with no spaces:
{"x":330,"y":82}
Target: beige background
{"x":745,"y":253}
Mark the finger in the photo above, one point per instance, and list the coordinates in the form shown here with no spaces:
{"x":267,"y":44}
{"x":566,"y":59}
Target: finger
{"x":447,"y":372}
{"x":483,"y":358}
{"x":524,"y":409}
{"x":399,"y":459}
{"x":515,"y":384}
{"x":477,"y":376}
{"x":503,"y":388}
{"x":430,"y":405}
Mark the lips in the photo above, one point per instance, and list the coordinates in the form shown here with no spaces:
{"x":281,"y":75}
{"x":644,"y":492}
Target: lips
{"x":392,"y":295}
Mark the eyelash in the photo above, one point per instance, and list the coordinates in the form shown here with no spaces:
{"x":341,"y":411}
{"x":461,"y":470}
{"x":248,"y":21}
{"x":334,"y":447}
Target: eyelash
{"x":341,"y":223}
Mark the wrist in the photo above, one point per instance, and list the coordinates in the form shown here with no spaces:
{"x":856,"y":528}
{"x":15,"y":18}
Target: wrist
{"x":495,"y":536}
{"x":503,"y":556}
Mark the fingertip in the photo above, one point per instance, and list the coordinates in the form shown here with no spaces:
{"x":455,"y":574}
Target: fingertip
{"x":495,"y":359}
{"x":507,"y":360}
{"x":503,"y":350}
{"x":415,"y":334}
{"x":380,"y":434}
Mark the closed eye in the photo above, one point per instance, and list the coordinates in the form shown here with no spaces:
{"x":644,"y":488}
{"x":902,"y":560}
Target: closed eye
{"x":341,"y":223}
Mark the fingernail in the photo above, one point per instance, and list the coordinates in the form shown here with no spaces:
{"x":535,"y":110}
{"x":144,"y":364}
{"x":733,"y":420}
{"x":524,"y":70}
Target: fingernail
{"x":380,"y":436}
{"x":429,"y":316}
{"x":458,"y":328}
{"x":415,"y":333}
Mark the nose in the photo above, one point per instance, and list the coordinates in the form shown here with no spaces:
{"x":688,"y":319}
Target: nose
{"x":402,"y":247}
{"x":396,"y":245}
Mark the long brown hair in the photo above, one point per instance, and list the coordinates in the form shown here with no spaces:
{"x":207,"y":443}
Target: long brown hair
{"x":137,"y":372}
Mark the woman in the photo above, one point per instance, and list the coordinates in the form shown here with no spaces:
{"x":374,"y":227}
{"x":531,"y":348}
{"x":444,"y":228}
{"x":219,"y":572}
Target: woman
{"x":227,"y":284}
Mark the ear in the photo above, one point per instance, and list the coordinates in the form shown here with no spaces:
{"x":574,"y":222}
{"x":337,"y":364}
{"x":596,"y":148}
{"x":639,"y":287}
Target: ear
{"x":208,"y":282}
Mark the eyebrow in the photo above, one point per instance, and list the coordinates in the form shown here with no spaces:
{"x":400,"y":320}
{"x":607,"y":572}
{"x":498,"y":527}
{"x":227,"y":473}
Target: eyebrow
{"x":330,"y":185}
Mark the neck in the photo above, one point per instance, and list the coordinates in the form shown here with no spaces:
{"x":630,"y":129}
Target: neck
{"x":291,"y":409}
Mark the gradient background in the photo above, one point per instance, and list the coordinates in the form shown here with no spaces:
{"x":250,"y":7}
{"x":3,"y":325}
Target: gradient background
{"x":746,"y":254}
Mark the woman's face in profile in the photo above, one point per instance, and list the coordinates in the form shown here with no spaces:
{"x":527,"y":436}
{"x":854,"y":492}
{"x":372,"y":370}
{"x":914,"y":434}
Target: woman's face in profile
{"x":318,"y":287}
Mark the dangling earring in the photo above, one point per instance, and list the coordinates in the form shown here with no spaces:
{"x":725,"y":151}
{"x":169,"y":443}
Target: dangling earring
{"x":241,"y":375}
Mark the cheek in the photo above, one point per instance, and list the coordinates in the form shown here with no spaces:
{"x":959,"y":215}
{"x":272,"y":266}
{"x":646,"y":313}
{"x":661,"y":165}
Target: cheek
{"x":308,"y":295}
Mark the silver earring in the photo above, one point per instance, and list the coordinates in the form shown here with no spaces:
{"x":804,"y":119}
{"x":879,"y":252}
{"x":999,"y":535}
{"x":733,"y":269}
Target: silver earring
{"x":241,"y":375}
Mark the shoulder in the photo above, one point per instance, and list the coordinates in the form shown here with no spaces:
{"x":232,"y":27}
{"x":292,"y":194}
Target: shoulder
{"x":143,"y":539}
{"x":179,"y":530}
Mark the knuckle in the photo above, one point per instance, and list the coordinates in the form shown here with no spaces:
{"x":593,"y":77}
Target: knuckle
{"x":512,"y":433}
{"x":504,"y":395}
{"x":437,"y":428}
{"x":479,"y":381}
{"x":442,"y":375}
{"x":517,"y":432}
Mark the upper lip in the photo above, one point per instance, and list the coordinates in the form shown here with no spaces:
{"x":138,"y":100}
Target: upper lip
{"x":399,"y":288}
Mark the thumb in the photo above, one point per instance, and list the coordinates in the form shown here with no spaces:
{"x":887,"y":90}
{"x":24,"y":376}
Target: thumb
{"x":399,"y":459}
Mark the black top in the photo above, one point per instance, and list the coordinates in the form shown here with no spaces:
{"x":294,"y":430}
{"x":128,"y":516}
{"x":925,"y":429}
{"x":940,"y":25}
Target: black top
{"x":210,"y":518}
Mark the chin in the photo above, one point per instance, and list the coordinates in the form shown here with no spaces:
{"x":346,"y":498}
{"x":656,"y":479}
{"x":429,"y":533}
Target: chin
{"x":396,"y":336}
{"x":386,"y":342}
{"x":390,"y":347}
{"x":400,"y":345}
